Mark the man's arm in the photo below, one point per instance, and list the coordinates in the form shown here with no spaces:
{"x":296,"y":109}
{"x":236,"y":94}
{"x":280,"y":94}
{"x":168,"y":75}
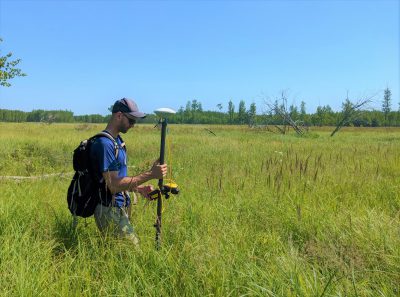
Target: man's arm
{"x":130,"y":183}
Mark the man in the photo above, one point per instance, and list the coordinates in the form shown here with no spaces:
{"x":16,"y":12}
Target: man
{"x":113,"y":213}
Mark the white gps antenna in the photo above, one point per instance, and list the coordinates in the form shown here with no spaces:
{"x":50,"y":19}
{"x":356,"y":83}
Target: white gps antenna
{"x":163,"y":112}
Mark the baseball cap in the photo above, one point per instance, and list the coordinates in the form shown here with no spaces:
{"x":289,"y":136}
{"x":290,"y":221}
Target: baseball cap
{"x":128,"y":107}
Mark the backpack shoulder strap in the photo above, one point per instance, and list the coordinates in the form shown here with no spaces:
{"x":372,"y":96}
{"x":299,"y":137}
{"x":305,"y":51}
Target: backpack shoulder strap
{"x":122,"y":142}
{"x":109,"y":136}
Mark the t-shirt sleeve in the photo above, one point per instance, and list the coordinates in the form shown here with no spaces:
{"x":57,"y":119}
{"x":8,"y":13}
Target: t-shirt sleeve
{"x":104,"y":155}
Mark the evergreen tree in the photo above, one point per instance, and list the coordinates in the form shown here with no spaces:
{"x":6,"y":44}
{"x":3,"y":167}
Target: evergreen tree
{"x":303,"y":110}
{"x":180,"y":115}
{"x":242,"y":112}
{"x":188,"y":112}
{"x":251,"y":115}
{"x":194,"y":105}
{"x":303,"y":114}
{"x":386,"y":104}
{"x":231,"y":111}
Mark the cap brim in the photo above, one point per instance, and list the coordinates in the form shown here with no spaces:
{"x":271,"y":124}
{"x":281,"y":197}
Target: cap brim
{"x":135,"y":114}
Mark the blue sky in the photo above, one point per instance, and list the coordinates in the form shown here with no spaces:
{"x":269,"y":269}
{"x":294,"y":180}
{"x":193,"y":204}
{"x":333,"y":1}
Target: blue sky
{"x":84,"y":55}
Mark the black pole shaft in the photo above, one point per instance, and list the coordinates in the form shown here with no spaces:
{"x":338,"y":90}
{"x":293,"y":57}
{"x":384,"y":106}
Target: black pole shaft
{"x":162,"y":146}
{"x":160,"y":183}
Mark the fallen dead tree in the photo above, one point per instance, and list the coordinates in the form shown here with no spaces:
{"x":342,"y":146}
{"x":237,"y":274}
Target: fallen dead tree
{"x":282,"y":112}
{"x":350,"y":111}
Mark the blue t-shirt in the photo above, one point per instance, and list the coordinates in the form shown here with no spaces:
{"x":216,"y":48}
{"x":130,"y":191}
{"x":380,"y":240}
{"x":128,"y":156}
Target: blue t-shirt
{"x":103,"y":160}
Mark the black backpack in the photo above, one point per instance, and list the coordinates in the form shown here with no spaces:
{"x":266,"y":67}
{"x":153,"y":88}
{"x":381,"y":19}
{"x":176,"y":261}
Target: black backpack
{"x":85,"y":190}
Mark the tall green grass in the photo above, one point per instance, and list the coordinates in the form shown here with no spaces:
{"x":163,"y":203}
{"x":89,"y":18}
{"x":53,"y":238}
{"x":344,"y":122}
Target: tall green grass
{"x":259,"y":214}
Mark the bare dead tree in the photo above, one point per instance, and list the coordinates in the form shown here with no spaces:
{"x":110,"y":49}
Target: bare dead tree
{"x":282,"y":112}
{"x":350,"y":111}
{"x":48,"y":119}
{"x":209,"y":131}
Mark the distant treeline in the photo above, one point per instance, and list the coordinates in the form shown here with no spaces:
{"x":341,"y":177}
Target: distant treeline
{"x":49,"y":116}
{"x":194,"y":114}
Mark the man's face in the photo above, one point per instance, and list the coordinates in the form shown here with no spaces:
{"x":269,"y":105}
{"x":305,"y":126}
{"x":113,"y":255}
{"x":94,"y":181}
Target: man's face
{"x":126,"y":123}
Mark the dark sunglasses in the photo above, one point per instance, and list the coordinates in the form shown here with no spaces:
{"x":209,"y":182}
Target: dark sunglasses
{"x":131,"y":121}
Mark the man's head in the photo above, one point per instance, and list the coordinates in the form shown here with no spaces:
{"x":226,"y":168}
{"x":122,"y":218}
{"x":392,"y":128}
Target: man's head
{"x":126,"y":112}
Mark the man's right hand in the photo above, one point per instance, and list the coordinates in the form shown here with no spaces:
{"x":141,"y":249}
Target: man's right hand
{"x":158,"y":171}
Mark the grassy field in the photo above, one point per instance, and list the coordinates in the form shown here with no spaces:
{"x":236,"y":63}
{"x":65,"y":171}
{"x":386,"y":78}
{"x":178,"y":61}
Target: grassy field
{"x":259,"y":214}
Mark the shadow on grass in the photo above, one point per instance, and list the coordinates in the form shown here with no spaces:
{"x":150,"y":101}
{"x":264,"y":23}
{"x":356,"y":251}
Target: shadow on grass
{"x":65,"y":233}
{"x":75,"y":236}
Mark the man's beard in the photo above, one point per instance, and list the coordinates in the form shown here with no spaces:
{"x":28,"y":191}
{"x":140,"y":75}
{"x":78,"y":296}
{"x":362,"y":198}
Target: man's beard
{"x":123,"y":129}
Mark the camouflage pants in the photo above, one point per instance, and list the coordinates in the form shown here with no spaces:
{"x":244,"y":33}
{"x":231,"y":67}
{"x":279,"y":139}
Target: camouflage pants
{"x":116,"y":221}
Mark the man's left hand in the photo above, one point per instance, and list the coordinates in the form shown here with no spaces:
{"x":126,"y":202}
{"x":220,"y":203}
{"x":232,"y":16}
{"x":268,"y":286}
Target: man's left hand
{"x":145,"y":190}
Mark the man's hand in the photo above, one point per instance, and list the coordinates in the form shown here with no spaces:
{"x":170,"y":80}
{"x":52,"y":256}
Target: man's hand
{"x":145,"y":190}
{"x":158,"y":171}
